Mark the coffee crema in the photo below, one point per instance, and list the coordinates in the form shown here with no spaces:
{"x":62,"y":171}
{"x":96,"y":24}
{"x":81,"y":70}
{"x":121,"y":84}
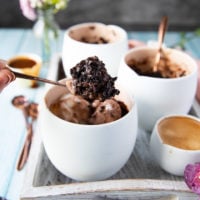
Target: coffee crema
{"x":27,"y":65}
{"x":181,"y":132}
{"x":22,"y":62}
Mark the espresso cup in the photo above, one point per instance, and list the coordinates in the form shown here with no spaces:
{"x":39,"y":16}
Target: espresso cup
{"x":175,"y":142}
{"x":26,"y":63}
{"x":108,"y":42}
{"x":155,"y":96}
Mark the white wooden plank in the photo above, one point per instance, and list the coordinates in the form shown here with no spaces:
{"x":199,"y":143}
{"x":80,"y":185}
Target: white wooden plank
{"x":17,"y":180}
{"x":11,"y":136}
{"x":12,"y":131}
{"x":10,"y":41}
{"x":12,"y":127}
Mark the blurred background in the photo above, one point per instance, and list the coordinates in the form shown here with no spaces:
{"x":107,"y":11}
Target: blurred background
{"x":130,"y":14}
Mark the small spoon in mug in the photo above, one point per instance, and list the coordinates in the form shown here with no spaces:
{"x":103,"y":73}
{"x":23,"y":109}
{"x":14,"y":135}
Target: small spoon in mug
{"x":21,"y":102}
{"x":161,"y":35}
{"x":29,"y":77}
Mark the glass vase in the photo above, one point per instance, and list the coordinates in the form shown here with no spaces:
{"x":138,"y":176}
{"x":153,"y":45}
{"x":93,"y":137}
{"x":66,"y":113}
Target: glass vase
{"x":47,"y":30}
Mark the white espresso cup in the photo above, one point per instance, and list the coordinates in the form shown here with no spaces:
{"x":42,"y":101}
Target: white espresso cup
{"x":174,"y":142}
{"x":157,"y":97}
{"x":26,"y":63}
{"x":108,"y":42}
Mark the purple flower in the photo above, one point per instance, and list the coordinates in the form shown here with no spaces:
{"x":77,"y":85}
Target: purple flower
{"x":27,"y":10}
{"x":192,"y":177}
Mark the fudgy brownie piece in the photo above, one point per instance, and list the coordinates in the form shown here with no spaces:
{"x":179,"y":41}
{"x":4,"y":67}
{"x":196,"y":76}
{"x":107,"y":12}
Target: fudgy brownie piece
{"x":91,"y":80}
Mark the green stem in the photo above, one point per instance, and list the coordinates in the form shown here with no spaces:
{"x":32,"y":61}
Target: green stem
{"x":184,"y":39}
{"x":50,"y":32}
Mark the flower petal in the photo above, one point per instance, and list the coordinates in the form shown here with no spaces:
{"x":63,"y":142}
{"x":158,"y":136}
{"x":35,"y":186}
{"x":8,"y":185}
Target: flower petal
{"x":192,"y":177}
{"x":27,"y":10}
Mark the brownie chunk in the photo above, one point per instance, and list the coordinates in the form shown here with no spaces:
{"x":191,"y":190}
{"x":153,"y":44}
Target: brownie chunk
{"x":91,"y":80}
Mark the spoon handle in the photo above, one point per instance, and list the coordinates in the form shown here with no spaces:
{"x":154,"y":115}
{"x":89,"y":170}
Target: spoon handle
{"x":162,"y":30}
{"x":26,"y":148}
{"x":24,"y":76}
{"x":161,"y":34}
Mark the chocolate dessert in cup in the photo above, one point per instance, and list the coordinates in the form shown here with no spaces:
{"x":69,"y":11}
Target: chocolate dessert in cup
{"x":168,"y":90}
{"x":108,"y":42}
{"x":89,"y":128}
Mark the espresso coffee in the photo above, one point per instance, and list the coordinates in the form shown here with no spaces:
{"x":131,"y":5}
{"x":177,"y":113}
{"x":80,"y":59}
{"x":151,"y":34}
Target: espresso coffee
{"x":94,"y":34}
{"x":22,"y":62}
{"x":28,"y":64}
{"x":181,"y":132}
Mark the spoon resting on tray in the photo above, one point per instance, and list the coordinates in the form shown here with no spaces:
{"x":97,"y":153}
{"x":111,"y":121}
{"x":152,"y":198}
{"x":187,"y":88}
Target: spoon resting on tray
{"x":30,"y":114}
{"x":29,"y":77}
{"x":161,"y":35}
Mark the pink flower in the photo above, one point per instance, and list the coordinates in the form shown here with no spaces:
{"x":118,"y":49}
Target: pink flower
{"x":192,"y":177}
{"x":27,"y":10}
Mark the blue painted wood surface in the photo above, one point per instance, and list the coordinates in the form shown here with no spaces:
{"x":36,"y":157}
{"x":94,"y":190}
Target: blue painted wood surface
{"x":12,"y":125}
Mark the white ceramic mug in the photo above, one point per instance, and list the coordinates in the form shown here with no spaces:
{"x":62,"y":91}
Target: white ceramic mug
{"x":74,"y":49}
{"x":88,"y":152}
{"x":179,"y":132}
{"x":157,"y":97}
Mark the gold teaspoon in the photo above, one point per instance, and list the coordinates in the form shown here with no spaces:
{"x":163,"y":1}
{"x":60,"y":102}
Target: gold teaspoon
{"x":161,"y":35}
{"x":36,"y":78}
{"x":21,"y":103}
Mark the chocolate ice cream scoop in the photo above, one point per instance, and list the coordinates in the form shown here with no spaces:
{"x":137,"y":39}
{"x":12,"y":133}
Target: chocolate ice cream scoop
{"x":91,"y":80}
{"x":72,"y":108}
{"x":106,"y":111}
{"x":91,"y":95}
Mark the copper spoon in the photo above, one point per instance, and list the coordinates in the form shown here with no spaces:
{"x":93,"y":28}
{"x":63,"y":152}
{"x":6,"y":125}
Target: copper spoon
{"x":161,"y":34}
{"x":36,"y":78}
{"x":22,"y":103}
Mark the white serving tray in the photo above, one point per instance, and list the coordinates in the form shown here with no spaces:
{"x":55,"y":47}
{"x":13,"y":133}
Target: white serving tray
{"x":139,"y":179}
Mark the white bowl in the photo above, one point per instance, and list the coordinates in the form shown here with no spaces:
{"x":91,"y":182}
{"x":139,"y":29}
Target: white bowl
{"x":157,"y":97}
{"x":88,"y":152}
{"x":73,"y":50}
{"x":175,"y":142}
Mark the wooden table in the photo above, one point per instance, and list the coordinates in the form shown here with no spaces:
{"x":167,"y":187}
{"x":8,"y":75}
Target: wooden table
{"x":12,"y":127}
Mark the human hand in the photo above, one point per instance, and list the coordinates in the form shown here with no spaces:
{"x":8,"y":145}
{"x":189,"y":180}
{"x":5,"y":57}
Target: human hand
{"x":6,"y":76}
